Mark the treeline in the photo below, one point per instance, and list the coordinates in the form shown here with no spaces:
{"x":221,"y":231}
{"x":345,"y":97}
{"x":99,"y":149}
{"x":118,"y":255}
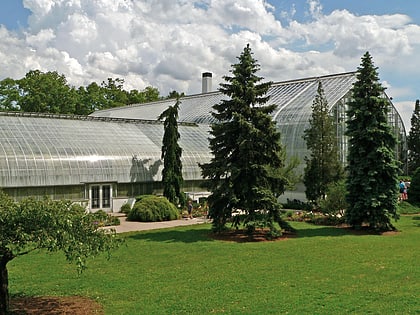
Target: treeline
{"x":49,"y":92}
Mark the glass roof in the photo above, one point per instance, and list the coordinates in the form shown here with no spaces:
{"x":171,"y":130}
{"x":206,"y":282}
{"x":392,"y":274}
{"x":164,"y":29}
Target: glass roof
{"x":124,"y":144}
{"x":44,"y":151}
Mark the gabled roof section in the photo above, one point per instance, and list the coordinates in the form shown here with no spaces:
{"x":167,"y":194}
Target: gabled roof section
{"x":292,"y":94}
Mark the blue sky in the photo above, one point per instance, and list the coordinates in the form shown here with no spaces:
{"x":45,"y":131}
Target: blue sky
{"x":168,"y":43}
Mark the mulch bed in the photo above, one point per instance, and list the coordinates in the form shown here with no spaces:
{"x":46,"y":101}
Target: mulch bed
{"x":71,"y":305}
{"x":240,"y":236}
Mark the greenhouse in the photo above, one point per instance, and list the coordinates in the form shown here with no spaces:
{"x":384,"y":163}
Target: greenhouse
{"x":105,"y":159}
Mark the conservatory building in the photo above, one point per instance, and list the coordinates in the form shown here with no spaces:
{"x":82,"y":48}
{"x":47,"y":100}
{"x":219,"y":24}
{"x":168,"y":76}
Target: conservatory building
{"x":106,"y":159}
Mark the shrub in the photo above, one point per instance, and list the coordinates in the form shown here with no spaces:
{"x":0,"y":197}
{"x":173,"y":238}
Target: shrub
{"x":102,"y":218}
{"x":335,"y":202}
{"x":153,"y":209}
{"x":125,"y":208}
{"x":296,"y":204}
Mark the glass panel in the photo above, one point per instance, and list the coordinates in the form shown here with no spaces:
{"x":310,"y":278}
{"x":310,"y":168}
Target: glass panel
{"x":95,"y":197}
{"x":106,"y":196}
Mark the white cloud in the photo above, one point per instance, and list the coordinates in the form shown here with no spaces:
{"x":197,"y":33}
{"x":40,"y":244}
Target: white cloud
{"x":169,"y":43}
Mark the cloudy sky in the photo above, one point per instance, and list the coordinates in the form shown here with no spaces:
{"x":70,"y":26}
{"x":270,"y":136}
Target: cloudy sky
{"x":169,"y":43}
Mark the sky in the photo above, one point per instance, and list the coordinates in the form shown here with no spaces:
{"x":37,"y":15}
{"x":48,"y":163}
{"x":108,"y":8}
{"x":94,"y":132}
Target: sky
{"x":168,"y":44}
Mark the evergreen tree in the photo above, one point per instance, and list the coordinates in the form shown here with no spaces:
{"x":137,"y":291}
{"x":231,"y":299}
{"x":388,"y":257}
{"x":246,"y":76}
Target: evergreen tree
{"x":171,"y":155}
{"x":413,"y":140}
{"x":246,"y":147}
{"x":323,"y":166}
{"x":372,"y":167}
{"x":414,"y":189}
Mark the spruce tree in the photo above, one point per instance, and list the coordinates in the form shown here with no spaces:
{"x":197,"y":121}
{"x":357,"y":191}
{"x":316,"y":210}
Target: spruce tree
{"x":372,"y":167}
{"x":246,"y":147}
{"x":171,"y":154}
{"x":413,"y":140}
{"x":323,"y":166}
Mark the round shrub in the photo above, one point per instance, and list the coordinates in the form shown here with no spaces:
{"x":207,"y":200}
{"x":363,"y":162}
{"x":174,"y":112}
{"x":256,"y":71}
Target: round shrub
{"x":125,"y":208}
{"x":153,"y":209}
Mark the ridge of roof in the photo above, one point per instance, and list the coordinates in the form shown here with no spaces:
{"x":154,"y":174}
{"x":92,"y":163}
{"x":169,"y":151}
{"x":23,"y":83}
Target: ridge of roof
{"x":89,"y":118}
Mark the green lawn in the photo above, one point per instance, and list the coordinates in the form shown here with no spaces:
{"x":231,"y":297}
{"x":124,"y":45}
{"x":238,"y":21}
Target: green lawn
{"x":323,"y":270}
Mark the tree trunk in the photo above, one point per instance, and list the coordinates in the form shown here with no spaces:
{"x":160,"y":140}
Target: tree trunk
{"x":4,"y":282}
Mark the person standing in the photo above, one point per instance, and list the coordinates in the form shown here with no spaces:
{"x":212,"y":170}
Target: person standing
{"x":189,"y":208}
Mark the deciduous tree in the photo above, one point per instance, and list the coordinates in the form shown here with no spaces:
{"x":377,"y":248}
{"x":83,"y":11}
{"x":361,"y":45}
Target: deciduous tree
{"x":372,"y":167}
{"x":46,"y":93}
{"x":51,"y":225}
{"x":246,"y":147}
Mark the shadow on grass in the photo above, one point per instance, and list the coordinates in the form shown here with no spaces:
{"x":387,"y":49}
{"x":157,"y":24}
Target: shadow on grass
{"x":204,"y":234}
{"x":333,"y":231}
{"x":198,"y":234}
{"x":417,"y":218}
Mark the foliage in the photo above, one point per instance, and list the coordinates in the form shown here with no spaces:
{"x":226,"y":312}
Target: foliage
{"x":9,"y":95}
{"x":175,"y":94}
{"x":335,"y":202}
{"x":297,"y":204}
{"x":323,"y":166}
{"x":46,"y":92}
{"x":414,"y":190}
{"x":101,"y":218}
{"x":125,"y":208}
{"x":246,"y":148}
{"x":372,"y":167}
{"x":171,"y":154}
{"x":52,"y":225}
{"x":153,"y":209}
{"x":49,"y":92}
{"x":413,"y":140}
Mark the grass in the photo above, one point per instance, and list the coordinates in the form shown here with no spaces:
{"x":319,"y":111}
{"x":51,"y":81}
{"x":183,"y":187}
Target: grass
{"x":323,"y":270}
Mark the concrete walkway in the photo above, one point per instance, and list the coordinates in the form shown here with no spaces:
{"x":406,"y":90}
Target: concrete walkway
{"x":129,"y":226}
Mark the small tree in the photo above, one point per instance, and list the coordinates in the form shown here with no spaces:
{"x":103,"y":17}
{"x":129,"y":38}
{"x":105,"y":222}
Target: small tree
{"x":51,"y":225}
{"x":171,"y":155}
{"x":246,"y":148}
{"x":413,"y":140}
{"x":372,"y":167}
{"x":323,"y":166}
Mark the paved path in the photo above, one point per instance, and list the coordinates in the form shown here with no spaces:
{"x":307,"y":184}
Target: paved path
{"x":129,"y":226}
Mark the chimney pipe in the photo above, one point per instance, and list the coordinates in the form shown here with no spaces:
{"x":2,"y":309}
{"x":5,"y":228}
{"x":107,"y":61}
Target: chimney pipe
{"x":206,"y":82}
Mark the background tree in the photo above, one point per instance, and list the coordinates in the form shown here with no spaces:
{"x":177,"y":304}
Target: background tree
{"x":413,"y":140}
{"x":414,"y":189}
{"x":114,"y":94}
{"x":91,"y":98}
{"x":171,"y":155}
{"x":323,"y":166}
{"x":51,"y":225}
{"x":246,"y":147}
{"x":372,"y":168}
{"x":9,"y":95}
{"x":46,"y":93}
{"x":50,"y":93}
{"x":175,"y":94}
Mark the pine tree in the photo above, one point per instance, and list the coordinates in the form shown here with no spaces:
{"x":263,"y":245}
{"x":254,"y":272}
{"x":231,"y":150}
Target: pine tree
{"x":413,"y":140}
{"x":323,"y":166}
{"x":171,"y":155}
{"x":246,"y":147}
{"x":372,"y":167}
